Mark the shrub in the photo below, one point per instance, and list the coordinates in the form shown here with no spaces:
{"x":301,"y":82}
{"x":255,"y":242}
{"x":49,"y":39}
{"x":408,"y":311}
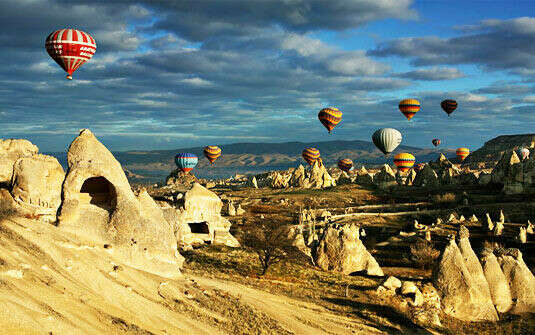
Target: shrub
{"x":446,"y":198}
{"x":423,"y":254}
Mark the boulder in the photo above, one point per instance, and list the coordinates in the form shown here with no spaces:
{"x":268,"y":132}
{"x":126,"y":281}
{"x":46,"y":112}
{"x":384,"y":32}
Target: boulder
{"x":410,"y":289}
{"x":392,"y":283}
{"x":36,"y":185}
{"x":458,"y":289}
{"x":341,"y":250}
{"x":521,"y":280}
{"x":98,"y":205}
{"x":10,"y":151}
{"x":385,"y":178}
{"x":498,"y":285}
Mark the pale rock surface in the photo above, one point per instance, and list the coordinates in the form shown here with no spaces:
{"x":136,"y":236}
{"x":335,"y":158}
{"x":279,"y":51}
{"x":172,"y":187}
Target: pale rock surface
{"x":36,"y":185}
{"x":473,"y":219}
{"x":490,"y":224}
{"x":10,"y":151}
{"x":509,"y":172}
{"x":99,"y":205}
{"x":410,"y":178}
{"x":199,"y":220}
{"x":409,"y":288}
{"x":392,"y":283}
{"x":530,"y":228}
{"x":319,"y":177}
{"x":521,"y":280}
{"x":458,"y":289}
{"x":344,"y":179}
{"x":502,"y":216}
{"x":341,"y":250}
{"x":298,"y":178}
{"x":472,"y":263}
{"x":240,"y":210}
{"x":498,"y":285}
{"x":498,"y":228}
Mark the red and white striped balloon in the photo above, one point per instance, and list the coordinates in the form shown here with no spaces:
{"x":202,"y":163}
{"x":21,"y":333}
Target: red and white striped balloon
{"x":70,"y":48}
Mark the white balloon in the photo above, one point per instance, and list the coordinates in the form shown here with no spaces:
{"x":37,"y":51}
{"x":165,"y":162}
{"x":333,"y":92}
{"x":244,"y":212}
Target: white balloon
{"x":387,"y":139}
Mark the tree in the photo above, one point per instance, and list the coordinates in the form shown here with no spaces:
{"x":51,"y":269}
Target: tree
{"x":270,"y":242}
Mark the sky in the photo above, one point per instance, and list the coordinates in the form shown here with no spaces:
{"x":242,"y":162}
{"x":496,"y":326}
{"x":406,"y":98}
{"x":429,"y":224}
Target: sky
{"x":175,"y":74}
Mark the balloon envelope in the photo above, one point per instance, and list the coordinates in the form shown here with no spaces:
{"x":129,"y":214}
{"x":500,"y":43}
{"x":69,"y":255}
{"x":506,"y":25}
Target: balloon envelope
{"x":387,"y":139}
{"x":330,"y":117}
{"x":310,"y":155}
{"x":212,"y":153}
{"x":449,"y":105}
{"x":404,"y":161}
{"x":186,"y":161}
{"x":70,"y":48}
{"x":462,"y":153}
{"x":524,"y":153}
{"x":345,"y":164}
{"x":409,"y":107}
{"x":436,"y":142}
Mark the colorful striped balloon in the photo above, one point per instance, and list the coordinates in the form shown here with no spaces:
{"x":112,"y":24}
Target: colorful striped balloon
{"x":70,"y":48}
{"x":330,"y":117}
{"x":310,"y":155}
{"x":212,"y":153}
{"x":449,"y":105}
{"x":462,"y":153}
{"x":186,"y":161}
{"x":404,"y":161}
{"x":409,"y":107}
{"x":436,"y":142}
{"x":345,"y":164}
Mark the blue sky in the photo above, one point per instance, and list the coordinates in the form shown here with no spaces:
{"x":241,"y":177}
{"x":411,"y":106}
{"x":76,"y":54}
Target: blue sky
{"x":171,"y":74}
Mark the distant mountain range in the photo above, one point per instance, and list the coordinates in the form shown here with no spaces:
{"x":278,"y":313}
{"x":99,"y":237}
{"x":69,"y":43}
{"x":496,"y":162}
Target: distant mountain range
{"x":261,"y":156}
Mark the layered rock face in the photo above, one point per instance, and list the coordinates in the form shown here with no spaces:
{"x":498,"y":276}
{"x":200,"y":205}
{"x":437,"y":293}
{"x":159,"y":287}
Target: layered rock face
{"x":492,"y":150}
{"x":199,"y":219}
{"x":515,"y":175}
{"x":36,"y":184}
{"x":99,"y":205}
{"x":341,"y":250}
{"x":385,"y":178}
{"x":10,"y":151}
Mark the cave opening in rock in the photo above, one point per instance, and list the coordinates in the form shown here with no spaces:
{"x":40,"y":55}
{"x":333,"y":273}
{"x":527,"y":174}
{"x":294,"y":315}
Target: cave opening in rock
{"x":98,"y":191}
{"x":199,"y":227}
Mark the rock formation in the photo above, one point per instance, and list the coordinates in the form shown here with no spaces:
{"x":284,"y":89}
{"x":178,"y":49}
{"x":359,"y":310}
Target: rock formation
{"x":198,"y":220}
{"x":426,"y":177}
{"x":521,"y":280}
{"x":10,"y":151}
{"x":498,"y":285}
{"x":458,"y":289}
{"x":178,"y":178}
{"x":341,"y":250}
{"x":385,"y":178}
{"x":36,"y":185}
{"x":99,"y":205}
{"x":320,"y":177}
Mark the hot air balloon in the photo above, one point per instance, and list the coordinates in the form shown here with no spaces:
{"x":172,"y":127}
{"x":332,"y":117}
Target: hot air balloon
{"x":404,"y":161}
{"x":186,"y":161}
{"x":448,"y":105}
{"x":523,"y":153}
{"x":462,"y":153}
{"x":330,"y":117}
{"x":212,"y":153}
{"x":310,"y":155}
{"x":436,"y":142}
{"x":409,"y":107}
{"x":70,"y":48}
{"x":386,"y":139}
{"x":345,"y":164}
